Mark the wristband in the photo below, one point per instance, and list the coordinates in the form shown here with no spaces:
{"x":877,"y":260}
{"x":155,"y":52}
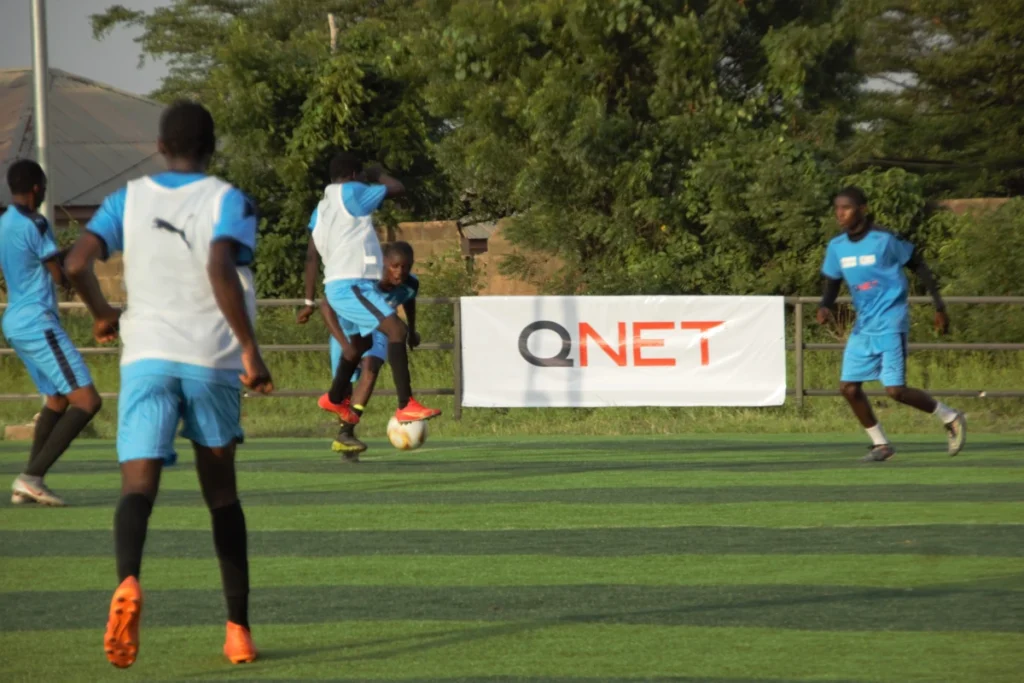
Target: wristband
{"x":310,"y":303}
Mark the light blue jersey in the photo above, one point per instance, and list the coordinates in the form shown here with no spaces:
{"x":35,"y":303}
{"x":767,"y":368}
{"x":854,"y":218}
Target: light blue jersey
{"x":26,"y":243}
{"x":872,"y":267}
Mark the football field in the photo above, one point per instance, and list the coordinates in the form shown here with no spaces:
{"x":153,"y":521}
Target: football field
{"x":728,"y":559}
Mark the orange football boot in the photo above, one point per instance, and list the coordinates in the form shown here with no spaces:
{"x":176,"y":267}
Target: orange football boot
{"x":343,"y":410}
{"x":121,"y":641}
{"x":414,"y":411}
{"x":238,"y":647}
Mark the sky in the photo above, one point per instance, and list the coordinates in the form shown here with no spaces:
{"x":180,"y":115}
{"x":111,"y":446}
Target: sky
{"x":114,"y":61}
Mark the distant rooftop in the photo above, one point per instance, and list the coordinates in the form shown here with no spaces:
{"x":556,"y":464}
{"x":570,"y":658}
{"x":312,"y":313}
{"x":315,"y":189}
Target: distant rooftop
{"x":100,"y":137}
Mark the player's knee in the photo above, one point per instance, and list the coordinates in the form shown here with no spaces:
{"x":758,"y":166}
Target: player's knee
{"x":87,"y":399}
{"x":397,"y":331}
{"x":849,"y":389}
{"x":896,"y":393}
{"x":57,"y":404}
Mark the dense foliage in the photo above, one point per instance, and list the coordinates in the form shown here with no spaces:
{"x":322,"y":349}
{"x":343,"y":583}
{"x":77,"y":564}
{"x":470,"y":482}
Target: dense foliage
{"x":676,"y":146}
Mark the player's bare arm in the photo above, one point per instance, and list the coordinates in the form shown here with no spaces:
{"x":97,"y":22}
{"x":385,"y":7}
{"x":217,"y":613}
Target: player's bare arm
{"x":376,"y":175}
{"x":829,"y":294}
{"x":920,"y":268}
{"x":79,"y":269}
{"x":410,"y":316}
{"x":309,"y":282}
{"x":227,"y":289}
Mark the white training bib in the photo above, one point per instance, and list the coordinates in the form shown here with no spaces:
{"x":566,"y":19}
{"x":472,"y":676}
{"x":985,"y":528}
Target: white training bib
{"x":172,"y":313}
{"x":348,"y":244}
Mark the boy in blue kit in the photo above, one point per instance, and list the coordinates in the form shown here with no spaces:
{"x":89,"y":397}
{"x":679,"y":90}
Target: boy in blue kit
{"x":343,"y":236}
{"x":31,"y":265}
{"x":187,"y":240}
{"x":871,"y":261}
{"x":400,"y":288}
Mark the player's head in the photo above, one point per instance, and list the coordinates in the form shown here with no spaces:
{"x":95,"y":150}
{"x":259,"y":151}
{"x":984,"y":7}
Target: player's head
{"x":186,"y":135}
{"x":345,"y":166}
{"x":27,"y":183}
{"x":850,"y":206}
{"x":398,"y":260}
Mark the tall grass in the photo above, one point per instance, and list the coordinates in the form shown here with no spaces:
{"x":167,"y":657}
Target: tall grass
{"x":433,"y":369}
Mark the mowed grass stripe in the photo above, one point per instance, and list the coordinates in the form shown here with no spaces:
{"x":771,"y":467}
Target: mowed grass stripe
{"x":83,"y":498}
{"x":895,"y":571}
{"x":813,"y":607}
{"x":539,"y":516}
{"x":480,"y":650}
{"x":499,"y":467}
{"x":933,"y":540}
{"x":651,"y":446}
{"x":332,"y":476}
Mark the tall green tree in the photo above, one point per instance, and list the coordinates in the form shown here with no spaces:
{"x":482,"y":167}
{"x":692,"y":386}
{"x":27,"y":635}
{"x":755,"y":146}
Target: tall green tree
{"x":283,"y":103}
{"x":654,"y":145}
{"x":954,"y":106}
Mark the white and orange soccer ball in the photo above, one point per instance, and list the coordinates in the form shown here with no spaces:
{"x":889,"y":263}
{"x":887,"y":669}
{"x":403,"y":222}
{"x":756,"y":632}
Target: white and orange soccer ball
{"x":407,"y":436}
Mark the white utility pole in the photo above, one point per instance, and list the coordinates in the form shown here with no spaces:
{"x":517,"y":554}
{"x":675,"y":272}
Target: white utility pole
{"x":40,"y":81}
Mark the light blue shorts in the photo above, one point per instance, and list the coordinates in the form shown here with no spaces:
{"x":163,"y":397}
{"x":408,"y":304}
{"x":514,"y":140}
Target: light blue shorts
{"x":360,"y":304}
{"x":869,"y":357}
{"x":150,"y":406}
{"x":54,"y":364}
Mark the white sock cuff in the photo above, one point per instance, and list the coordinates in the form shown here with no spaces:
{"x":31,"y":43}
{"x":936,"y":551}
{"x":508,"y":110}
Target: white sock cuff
{"x":878,"y":437}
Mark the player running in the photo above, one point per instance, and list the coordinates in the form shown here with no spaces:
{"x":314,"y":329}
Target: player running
{"x":342,"y":234}
{"x":188,"y":344}
{"x":31,"y":265}
{"x":400,"y":288}
{"x":871,"y":261}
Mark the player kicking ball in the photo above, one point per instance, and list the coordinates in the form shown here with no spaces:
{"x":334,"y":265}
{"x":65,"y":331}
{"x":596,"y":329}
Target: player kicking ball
{"x":871,"y":261}
{"x":400,"y":288}
{"x":342,"y":234}
{"x":31,"y":265}
{"x":187,"y":240}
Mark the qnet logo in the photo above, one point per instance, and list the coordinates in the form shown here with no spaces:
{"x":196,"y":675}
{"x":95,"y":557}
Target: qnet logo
{"x":632,"y":341}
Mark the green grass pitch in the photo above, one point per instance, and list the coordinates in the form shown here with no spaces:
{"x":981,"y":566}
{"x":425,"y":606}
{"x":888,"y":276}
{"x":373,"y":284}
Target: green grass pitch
{"x":727,"y":559}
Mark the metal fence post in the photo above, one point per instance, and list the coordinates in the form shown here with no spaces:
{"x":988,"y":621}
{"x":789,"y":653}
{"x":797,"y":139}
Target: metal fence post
{"x":457,"y":360}
{"x":798,"y":351}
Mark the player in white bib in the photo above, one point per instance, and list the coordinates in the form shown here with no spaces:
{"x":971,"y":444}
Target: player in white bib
{"x":342,"y":234}
{"x":187,"y":240}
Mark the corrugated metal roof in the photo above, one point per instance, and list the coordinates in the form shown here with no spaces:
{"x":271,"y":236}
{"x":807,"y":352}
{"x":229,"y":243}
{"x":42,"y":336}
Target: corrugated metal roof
{"x":100,"y":137}
{"x":479,"y":231}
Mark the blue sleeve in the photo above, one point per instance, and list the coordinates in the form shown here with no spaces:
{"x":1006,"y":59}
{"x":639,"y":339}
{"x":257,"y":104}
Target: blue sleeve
{"x":830,"y":268}
{"x":237,"y":222}
{"x":362,"y":200}
{"x":901,"y":250}
{"x":41,"y":239}
{"x":413,"y":283}
{"x":312,"y":219}
{"x":108,"y":222}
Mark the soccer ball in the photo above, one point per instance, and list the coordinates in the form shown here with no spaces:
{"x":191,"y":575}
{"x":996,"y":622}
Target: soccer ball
{"x":407,"y":436}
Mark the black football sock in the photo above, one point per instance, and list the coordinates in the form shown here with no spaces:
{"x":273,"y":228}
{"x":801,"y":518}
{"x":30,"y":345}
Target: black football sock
{"x":398,"y":356}
{"x":341,"y":387}
{"x":68,"y":427}
{"x":232,"y":552}
{"x":47,"y":420}
{"x":130,"y":523}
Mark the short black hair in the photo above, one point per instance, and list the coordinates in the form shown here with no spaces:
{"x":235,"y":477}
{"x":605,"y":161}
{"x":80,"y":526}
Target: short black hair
{"x":186,"y":129}
{"x":23,"y":175}
{"x":403,"y":249}
{"x":853,"y":193}
{"x":344,"y":165}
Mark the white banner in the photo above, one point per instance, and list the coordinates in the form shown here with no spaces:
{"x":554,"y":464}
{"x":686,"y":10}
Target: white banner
{"x":592,"y":351}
